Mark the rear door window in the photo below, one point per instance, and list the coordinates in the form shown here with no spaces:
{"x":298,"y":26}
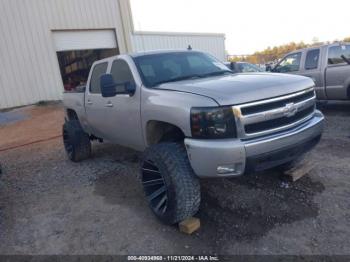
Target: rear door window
{"x":99,"y":69}
{"x":338,"y":54}
{"x":312,"y":58}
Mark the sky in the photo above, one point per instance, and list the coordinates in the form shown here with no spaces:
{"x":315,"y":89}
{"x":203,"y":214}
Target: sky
{"x":249,"y":25}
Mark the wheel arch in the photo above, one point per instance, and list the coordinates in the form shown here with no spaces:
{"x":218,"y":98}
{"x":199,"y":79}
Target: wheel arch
{"x":160,"y":131}
{"x":71,"y":114}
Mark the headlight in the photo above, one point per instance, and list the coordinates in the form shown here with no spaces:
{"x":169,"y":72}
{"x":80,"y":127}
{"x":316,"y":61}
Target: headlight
{"x":213,"y":122}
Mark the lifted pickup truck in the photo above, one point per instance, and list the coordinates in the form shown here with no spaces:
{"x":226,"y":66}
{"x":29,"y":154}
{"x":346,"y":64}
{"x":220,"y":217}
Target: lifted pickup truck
{"x":192,"y":118}
{"x":328,"y":66}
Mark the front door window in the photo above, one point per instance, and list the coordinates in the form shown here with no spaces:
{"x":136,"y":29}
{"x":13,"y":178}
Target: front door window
{"x":290,"y":63}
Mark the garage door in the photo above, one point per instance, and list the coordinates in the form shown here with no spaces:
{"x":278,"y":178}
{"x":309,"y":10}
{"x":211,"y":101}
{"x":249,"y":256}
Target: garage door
{"x":84,"y":39}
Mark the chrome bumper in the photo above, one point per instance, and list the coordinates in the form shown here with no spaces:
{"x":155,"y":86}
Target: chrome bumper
{"x":232,"y":157}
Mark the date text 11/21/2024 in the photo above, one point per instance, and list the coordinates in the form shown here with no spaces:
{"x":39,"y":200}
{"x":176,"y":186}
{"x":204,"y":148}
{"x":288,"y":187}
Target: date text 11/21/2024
{"x":174,"y":258}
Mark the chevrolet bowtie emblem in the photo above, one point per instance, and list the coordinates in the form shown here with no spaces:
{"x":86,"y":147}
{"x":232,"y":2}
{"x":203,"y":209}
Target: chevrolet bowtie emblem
{"x":290,"y":110}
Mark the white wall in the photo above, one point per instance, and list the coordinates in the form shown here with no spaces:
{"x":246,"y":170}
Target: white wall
{"x":211,"y":43}
{"x":29,"y":70}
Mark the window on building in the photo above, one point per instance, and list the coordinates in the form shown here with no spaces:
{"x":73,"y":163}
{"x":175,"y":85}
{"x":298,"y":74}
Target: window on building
{"x":338,"y":54}
{"x":99,"y":69}
{"x":312,"y":58}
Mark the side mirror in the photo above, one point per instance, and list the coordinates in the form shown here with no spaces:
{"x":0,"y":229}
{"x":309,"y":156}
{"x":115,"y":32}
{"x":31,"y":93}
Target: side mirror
{"x":130,"y":88}
{"x":107,"y":85}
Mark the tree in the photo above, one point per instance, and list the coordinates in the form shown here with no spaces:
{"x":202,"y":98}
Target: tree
{"x":269,"y":54}
{"x":277,"y":52}
{"x":347,"y":39}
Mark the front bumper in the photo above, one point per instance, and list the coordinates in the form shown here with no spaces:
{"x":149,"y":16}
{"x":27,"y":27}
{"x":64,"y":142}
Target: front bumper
{"x":209,"y":157}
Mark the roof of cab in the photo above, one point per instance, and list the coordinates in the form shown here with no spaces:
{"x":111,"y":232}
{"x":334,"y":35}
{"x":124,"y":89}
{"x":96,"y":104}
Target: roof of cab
{"x":156,"y":52}
{"x":318,"y":46}
{"x":145,"y":53}
{"x":139,"y":54}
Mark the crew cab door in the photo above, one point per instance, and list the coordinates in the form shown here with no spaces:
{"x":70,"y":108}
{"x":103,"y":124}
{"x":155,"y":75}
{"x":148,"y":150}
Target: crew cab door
{"x":312,"y":68}
{"x":337,"y":73}
{"x":94,"y":102}
{"x":122,"y":114}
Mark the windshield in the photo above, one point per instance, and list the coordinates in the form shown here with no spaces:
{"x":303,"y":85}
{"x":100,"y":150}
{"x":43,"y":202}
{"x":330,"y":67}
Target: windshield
{"x":156,"y":69}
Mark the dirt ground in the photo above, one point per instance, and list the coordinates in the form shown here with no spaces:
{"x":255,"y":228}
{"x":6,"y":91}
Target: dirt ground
{"x":49,"y":205}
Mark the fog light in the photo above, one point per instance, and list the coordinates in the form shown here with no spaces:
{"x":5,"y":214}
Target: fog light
{"x":232,"y":170}
{"x":222,"y":170}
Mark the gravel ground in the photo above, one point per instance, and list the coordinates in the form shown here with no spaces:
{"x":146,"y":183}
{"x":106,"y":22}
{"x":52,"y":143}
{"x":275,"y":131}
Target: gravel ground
{"x":49,"y":205}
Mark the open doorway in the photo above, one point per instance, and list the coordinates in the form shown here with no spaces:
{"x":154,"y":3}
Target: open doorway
{"x":75,"y":65}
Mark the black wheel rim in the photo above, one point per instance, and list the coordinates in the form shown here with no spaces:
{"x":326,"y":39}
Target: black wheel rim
{"x":67,"y":144}
{"x":155,"y":187}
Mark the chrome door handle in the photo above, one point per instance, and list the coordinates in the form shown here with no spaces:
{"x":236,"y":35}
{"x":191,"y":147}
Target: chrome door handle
{"x":109,"y":104}
{"x":89,"y":102}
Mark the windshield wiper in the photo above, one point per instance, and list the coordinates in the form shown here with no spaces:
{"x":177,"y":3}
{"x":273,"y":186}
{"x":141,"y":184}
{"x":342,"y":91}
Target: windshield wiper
{"x":217,"y":73}
{"x":181,"y":78}
{"x":345,"y":59}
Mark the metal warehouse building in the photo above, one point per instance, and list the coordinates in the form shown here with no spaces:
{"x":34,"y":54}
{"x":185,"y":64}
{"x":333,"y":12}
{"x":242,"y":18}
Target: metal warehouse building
{"x":48,"y":44}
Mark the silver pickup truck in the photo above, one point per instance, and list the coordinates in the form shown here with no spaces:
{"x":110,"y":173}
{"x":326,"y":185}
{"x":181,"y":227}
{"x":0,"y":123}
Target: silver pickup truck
{"x":328,"y":66}
{"x":192,"y":118}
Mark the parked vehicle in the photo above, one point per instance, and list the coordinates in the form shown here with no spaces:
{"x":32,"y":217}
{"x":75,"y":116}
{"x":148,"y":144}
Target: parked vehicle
{"x":243,"y":67}
{"x":192,"y":118}
{"x":328,"y":66}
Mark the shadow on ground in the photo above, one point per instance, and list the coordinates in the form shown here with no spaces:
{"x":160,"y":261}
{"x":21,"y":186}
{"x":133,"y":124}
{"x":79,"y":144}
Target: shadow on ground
{"x":240,"y":209}
{"x":246,"y":208}
{"x":334,"y":108}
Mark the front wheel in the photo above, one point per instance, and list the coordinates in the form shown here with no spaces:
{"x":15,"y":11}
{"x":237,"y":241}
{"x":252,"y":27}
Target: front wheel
{"x":172,"y":189}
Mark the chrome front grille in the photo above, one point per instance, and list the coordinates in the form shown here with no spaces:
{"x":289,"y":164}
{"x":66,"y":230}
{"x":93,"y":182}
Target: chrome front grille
{"x":276,"y":114}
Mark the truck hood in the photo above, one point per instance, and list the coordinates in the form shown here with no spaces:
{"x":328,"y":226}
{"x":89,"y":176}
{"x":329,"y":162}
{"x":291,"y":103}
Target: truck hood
{"x":242,"y":88}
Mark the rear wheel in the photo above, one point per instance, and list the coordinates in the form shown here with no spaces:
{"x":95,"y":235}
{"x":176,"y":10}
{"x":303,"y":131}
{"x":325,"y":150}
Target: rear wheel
{"x":172,"y":189}
{"x":76,"y":142}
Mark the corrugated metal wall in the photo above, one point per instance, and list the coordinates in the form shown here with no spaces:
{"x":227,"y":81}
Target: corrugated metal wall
{"x":211,"y":43}
{"x":29,"y":70}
